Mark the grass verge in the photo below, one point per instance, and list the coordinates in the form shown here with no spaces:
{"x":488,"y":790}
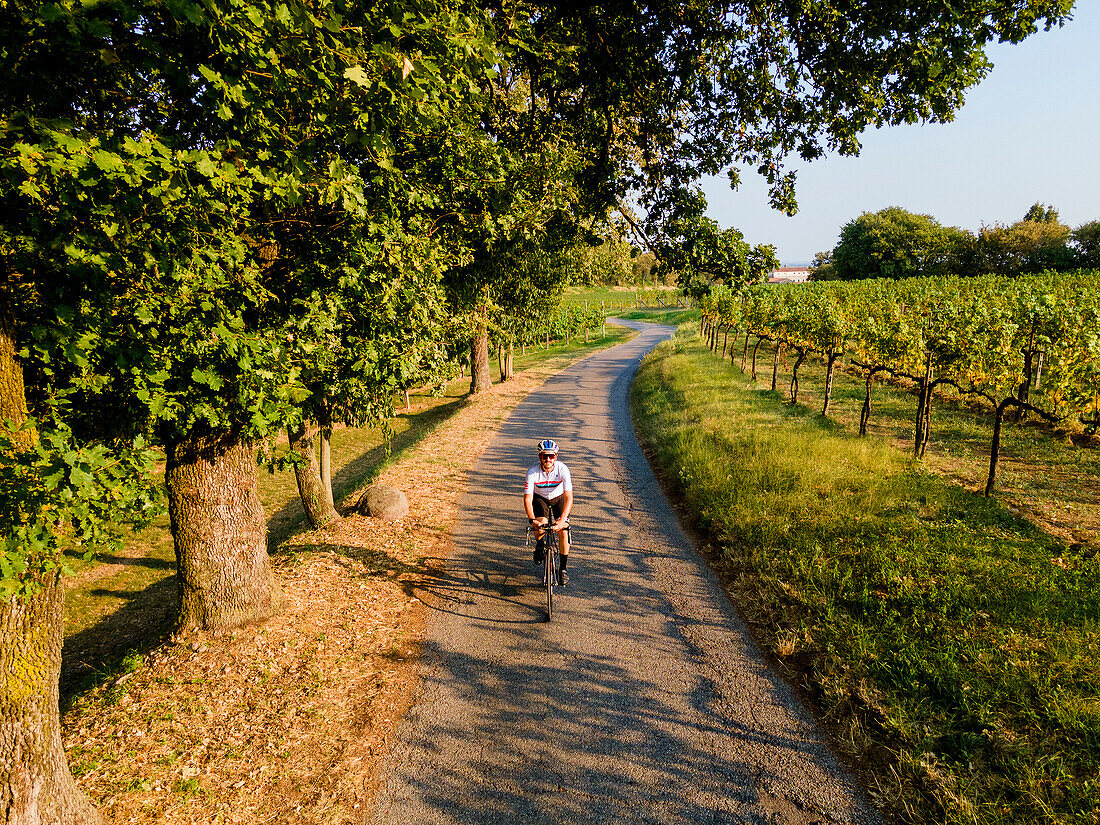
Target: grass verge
{"x":952,"y":645}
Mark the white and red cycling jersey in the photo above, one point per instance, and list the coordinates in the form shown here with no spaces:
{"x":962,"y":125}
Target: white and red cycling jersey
{"x":548,"y":484}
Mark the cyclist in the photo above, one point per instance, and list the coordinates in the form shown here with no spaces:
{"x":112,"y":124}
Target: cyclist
{"x":549,"y":484}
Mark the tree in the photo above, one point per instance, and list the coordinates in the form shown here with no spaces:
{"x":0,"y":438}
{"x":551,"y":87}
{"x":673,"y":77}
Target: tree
{"x":1086,"y":242}
{"x":751,"y":84}
{"x":895,"y":243}
{"x":160,"y":213}
{"x":1040,"y":213}
{"x":644,"y":265}
{"x":1034,"y":244}
{"x":702,"y":253}
{"x":606,"y":258}
{"x":822,"y":268}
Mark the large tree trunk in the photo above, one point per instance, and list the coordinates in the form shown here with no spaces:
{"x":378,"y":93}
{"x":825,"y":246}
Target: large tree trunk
{"x":13,"y":395}
{"x":224,"y":574}
{"x":316,"y":497}
{"x":510,"y":360}
{"x":481,"y":379}
{"x":36,"y":787}
{"x":35,"y":783}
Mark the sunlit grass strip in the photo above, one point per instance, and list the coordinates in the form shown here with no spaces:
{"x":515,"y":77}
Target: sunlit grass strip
{"x":955,"y":646}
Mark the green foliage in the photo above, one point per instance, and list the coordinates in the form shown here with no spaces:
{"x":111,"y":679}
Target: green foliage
{"x":213,"y":239}
{"x":822,"y":268}
{"x":1037,"y":243}
{"x":58,"y":495}
{"x":765,"y":83}
{"x":984,"y":334}
{"x":702,"y":254}
{"x":894,"y":243}
{"x":1086,"y":242}
{"x":607,"y":260}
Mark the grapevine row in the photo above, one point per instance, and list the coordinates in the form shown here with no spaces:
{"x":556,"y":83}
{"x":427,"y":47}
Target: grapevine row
{"x":1031,"y":344}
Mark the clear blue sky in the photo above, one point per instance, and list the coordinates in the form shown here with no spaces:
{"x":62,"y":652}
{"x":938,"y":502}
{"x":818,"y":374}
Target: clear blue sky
{"x":1030,"y":132}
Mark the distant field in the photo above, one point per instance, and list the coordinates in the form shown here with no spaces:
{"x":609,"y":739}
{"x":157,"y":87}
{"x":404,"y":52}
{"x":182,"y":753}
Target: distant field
{"x":619,"y":298}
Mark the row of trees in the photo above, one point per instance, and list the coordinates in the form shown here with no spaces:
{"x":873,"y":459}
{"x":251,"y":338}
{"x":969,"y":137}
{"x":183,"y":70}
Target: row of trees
{"x":895,"y":243}
{"x":1029,"y":344}
{"x":220,"y":220}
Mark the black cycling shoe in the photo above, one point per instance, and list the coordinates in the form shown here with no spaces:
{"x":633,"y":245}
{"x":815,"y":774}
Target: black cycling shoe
{"x":563,"y":578}
{"x":539,"y":553}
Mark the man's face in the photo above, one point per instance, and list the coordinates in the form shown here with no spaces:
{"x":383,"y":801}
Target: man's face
{"x":547,"y":460}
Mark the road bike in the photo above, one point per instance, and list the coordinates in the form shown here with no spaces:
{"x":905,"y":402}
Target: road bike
{"x":550,"y":559}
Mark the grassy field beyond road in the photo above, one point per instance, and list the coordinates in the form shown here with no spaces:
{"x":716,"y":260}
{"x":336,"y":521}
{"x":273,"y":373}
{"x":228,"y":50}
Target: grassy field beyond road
{"x":953,"y":646}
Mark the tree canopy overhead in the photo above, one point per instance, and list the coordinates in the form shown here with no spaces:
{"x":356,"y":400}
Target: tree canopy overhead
{"x":715,"y":88}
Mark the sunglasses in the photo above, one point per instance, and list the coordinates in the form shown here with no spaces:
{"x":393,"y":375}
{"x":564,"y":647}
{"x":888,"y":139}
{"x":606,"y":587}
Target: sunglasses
{"x":548,"y":455}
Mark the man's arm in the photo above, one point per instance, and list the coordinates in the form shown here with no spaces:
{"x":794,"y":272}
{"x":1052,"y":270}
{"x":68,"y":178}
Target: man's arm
{"x":566,"y":506}
{"x":529,"y":505}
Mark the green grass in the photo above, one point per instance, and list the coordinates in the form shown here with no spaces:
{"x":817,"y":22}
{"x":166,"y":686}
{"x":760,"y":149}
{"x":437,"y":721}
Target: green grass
{"x":1053,"y":477}
{"x":672,"y":317}
{"x":953,"y":646}
{"x":620,"y":299}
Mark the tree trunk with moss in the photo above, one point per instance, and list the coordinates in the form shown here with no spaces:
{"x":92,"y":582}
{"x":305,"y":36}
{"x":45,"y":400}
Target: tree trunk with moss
{"x":35,"y":783}
{"x":316,"y":497}
{"x":223,"y":571}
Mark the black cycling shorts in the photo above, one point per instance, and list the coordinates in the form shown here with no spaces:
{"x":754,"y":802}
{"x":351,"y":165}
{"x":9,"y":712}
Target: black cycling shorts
{"x":542,"y":506}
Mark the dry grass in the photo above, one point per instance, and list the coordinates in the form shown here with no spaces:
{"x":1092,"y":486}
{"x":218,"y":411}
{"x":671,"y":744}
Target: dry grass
{"x":286,"y":721}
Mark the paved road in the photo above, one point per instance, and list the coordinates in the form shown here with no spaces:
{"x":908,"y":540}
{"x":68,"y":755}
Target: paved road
{"x":643,"y":701}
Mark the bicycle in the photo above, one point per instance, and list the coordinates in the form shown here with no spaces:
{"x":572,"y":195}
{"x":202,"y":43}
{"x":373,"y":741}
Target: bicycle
{"x":550,"y":559}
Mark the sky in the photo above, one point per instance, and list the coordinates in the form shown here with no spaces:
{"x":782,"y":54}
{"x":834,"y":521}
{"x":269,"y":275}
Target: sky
{"x":1028,"y":133}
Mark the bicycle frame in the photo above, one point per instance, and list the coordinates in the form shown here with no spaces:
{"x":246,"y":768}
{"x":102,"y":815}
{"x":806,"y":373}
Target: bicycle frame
{"x":550,"y":557}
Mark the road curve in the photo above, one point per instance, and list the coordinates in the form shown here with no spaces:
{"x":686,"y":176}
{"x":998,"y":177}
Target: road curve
{"x":643,"y":701}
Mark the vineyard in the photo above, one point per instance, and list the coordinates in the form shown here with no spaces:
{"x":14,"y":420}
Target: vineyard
{"x":1025,"y":346}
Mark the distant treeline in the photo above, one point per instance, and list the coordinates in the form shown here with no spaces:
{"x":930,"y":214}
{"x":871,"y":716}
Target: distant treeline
{"x":895,"y":243}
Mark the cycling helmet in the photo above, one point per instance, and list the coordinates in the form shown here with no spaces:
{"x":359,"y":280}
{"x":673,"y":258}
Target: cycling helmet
{"x":548,"y":446}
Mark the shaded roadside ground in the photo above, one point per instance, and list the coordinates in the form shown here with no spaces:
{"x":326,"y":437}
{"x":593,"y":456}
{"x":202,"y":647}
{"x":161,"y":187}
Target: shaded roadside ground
{"x":644,"y":700}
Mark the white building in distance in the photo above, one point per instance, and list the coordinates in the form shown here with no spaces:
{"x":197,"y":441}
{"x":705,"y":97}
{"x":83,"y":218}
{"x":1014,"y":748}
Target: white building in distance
{"x":789,"y":275}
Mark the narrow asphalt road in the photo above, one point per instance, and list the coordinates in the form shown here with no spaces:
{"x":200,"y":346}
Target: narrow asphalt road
{"x":643,"y":701}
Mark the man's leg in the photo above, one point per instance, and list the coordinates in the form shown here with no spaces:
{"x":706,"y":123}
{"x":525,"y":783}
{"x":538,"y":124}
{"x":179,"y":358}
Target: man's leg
{"x":540,"y":533}
{"x":563,"y":548}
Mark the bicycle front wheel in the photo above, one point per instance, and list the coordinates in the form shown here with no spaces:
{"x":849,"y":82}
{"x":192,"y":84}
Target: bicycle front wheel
{"x":551,"y":574}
